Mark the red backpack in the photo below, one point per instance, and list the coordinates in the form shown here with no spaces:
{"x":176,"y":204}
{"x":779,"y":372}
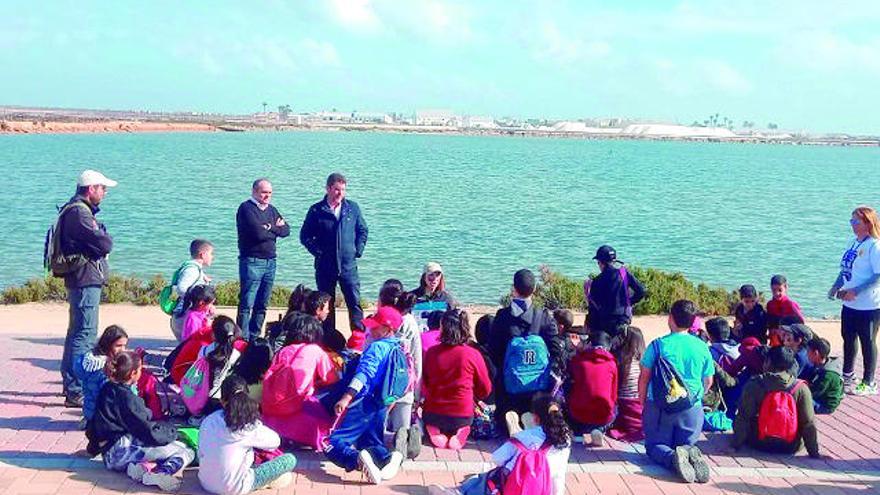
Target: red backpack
{"x":778,"y":417}
{"x":531,"y":471}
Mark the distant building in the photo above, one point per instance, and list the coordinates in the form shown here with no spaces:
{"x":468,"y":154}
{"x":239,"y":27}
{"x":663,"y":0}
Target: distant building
{"x":436,"y":118}
{"x":372,"y":118}
{"x":479,"y":122}
{"x":334,"y":117}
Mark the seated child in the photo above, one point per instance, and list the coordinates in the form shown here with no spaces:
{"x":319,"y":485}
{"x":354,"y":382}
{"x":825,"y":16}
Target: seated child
{"x":127,"y":439}
{"x":227,"y":439}
{"x":719,"y":401}
{"x":766,"y":419}
{"x":455,"y":375}
{"x":200,"y":310}
{"x":483,"y":427}
{"x":628,"y":353}
{"x":357,"y":441}
{"x":750,"y":361}
{"x":289,"y":403}
{"x":318,"y":305}
{"x":254,"y":363}
{"x":549,"y":438}
{"x":795,"y":337}
{"x":825,"y":376}
{"x":592,"y":401}
{"x":90,"y":368}
{"x":296,"y":306}
{"x":779,"y":307}
{"x":431,"y":337}
{"x":222,"y":355}
{"x":750,"y":319}
{"x":564,"y":320}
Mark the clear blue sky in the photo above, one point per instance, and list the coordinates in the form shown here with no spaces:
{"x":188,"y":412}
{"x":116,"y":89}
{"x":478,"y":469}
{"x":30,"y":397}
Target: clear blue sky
{"x":804,"y":64}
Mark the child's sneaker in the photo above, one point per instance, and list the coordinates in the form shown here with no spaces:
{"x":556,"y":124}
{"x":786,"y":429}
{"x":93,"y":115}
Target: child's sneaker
{"x":136,"y":471}
{"x":701,"y":467}
{"x":597,"y":438}
{"x":681,"y":461}
{"x":401,"y":440}
{"x":282,"y":481}
{"x":512,"y":420}
{"x":369,"y":468}
{"x":414,"y":442}
{"x":865,"y":389}
{"x":393,"y":467}
{"x":849,"y":383}
{"x":165,"y":482}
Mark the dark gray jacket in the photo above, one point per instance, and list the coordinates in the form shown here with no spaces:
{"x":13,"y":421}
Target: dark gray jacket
{"x":335,"y":244}
{"x":81,"y":233}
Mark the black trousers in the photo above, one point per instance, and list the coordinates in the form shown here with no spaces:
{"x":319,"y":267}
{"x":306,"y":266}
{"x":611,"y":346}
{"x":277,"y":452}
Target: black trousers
{"x":350,"y":285}
{"x":860,"y":327}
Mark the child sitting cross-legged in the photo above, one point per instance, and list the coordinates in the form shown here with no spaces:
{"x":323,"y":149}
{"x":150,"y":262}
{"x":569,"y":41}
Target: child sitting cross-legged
{"x":127,"y":439}
{"x":825,"y":376}
{"x":357,"y":441}
{"x":227,"y":439}
{"x":455,"y":375}
{"x":628,"y":351}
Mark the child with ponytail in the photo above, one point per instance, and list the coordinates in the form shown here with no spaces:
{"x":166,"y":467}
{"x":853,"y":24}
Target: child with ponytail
{"x":222,"y":354}
{"x":123,"y":433}
{"x":534,"y":461}
{"x":227,"y":439}
{"x":199,"y":310}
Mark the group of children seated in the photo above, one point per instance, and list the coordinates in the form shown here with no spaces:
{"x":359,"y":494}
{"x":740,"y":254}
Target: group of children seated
{"x":525,"y":373}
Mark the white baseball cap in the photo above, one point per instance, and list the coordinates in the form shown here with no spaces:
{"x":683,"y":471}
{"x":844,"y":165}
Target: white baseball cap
{"x":94,"y":178}
{"x":433,"y":266}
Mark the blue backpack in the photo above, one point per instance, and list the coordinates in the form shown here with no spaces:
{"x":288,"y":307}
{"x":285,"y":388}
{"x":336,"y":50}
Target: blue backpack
{"x":398,"y":380}
{"x":527,"y":360}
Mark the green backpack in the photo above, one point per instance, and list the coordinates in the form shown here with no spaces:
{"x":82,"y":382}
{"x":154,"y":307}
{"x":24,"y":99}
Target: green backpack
{"x":167,"y":298}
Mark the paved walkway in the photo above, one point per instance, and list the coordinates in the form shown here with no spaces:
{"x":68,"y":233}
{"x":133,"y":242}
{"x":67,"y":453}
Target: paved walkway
{"x":41,"y":452}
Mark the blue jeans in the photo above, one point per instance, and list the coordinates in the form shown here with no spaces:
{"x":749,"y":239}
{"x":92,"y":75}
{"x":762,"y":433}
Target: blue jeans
{"x":664,"y":431}
{"x":256,"y":276}
{"x":362,"y":427}
{"x":82,"y":328}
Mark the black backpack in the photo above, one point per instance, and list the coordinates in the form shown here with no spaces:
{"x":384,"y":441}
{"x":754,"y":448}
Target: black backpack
{"x":669,"y":389}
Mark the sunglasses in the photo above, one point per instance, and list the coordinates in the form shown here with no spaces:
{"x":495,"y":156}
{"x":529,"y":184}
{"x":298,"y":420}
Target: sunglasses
{"x":434,"y":274}
{"x":854,"y":221}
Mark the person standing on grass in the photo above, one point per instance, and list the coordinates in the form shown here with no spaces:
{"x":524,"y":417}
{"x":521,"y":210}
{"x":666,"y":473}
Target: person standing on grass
{"x":858,"y":286}
{"x":83,"y":239}
{"x":259,"y":226}
{"x":335,"y":233}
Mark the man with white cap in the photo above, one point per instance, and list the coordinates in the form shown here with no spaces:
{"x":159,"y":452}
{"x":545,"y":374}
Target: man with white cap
{"x":85,"y":242}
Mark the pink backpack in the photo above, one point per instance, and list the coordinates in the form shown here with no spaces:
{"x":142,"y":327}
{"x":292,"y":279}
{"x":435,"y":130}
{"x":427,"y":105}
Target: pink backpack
{"x":280,"y":394}
{"x":531,"y":471}
{"x":195,"y":386}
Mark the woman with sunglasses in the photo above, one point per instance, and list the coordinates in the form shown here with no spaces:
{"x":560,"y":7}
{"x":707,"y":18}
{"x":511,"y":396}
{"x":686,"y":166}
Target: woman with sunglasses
{"x":858,"y":286}
{"x":432,"y":286}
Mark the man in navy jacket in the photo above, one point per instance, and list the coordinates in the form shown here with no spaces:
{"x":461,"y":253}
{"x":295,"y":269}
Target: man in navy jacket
{"x":335,"y":233}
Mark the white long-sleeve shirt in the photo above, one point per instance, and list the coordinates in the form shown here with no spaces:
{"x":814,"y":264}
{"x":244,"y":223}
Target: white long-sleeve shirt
{"x":534,"y":438}
{"x":226,"y":458}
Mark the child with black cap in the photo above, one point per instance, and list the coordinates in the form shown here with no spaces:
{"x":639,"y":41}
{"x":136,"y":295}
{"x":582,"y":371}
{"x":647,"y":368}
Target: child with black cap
{"x":795,"y":337}
{"x":608,"y":295}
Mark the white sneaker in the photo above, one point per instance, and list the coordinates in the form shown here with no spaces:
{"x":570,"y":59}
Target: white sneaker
{"x":849,"y":384}
{"x":136,"y":471}
{"x":165,"y":482}
{"x":282,"y":481}
{"x":597,"y":437}
{"x":864,"y":389}
{"x":393,"y":467}
{"x":512,"y":420}
{"x":369,"y":468}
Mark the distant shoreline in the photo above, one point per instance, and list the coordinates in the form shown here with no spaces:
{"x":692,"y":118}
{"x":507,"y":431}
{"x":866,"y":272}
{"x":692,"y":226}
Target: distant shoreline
{"x":97,"y":126}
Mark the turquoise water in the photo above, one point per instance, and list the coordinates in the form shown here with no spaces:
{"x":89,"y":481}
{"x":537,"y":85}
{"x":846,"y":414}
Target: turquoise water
{"x":724,"y":214}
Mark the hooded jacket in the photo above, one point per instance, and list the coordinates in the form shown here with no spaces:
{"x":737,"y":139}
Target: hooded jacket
{"x":594,"y":387}
{"x":81,"y":233}
{"x":335,"y":244}
{"x":607,"y":300}
{"x":89,"y":370}
{"x":745,"y":427}
{"x":120,"y":412}
{"x":826,"y":384}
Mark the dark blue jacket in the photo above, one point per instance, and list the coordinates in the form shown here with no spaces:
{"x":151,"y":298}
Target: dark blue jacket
{"x":82,"y":233}
{"x":335,"y":244}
